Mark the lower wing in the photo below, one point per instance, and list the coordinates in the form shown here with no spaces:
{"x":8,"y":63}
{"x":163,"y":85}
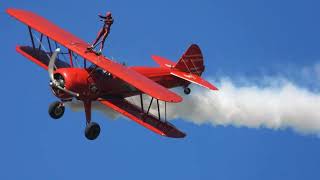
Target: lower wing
{"x":149,"y":121}
{"x":39,"y":57}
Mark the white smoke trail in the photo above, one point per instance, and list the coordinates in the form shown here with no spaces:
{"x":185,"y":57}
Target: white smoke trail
{"x":275,"y":105}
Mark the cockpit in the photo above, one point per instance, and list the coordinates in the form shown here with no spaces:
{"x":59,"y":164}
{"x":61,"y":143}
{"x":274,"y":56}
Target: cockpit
{"x":96,"y":70}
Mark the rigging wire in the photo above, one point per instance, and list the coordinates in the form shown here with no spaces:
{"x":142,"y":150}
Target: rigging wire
{"x":43,"y":47}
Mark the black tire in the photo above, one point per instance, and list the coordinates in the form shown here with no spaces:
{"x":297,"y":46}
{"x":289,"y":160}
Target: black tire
{"x":92,"y":131}
{"x":187,"y":90}
{"x":56,"y":110}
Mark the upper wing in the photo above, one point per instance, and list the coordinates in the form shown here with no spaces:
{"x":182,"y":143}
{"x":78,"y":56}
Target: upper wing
{"x":149,"y":121}
{"x":79,"y":46}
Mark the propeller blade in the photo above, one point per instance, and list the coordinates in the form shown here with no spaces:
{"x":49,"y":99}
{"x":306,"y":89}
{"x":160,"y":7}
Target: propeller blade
{"x":68,"y":91}
{"x":52,"y":64}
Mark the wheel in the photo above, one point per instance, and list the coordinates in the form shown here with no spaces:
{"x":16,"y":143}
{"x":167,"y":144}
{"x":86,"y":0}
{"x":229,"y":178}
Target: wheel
{"x":92,"y":131}
{"x":187,"y":90}
{"x":56,"y":110}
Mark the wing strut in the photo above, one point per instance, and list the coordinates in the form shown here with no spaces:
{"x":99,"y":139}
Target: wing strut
{"x":141,"y":101}
{"x":149,"y":107}
{"x":31,"y":37}
{"x":49,"y":43}
{"x":150,"y":121}
{"x":70,"y":57}
{"x":165,"y":111}
{"x":158,"y":109}
{"x":40,"y":43}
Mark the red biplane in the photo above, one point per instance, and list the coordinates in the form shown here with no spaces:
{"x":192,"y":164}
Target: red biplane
{"x":77,"y":74}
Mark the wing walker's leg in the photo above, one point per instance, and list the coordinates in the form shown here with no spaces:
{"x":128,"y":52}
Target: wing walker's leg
{"x":100,"y":33}
{"x":98,"y":43}
{"x":105,"y":35}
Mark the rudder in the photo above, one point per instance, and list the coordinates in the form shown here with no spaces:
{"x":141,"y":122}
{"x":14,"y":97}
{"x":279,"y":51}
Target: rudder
{"x":191,"y":61}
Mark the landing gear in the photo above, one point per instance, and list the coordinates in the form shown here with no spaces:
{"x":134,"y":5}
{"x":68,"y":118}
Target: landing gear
{"x":92,"y":131}
{"x":56,"y":110}
{"x":187,"y":90}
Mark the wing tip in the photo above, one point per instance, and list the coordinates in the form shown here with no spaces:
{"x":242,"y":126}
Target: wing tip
{"x":9,"y":11}
{"x":209,"y":86}
{"x":177,"y":135}
{"x":212,"y":87}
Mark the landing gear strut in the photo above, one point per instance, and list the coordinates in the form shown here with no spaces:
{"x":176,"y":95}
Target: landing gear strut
{"x":56,"y":110}
{"x":187,"y":90}
{"x":92,"y":130}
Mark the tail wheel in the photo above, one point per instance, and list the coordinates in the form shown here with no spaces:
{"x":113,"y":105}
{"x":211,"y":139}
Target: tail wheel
{"x":187,"y":90}
{"x":92,"y":131}
{"x":56,"y":110}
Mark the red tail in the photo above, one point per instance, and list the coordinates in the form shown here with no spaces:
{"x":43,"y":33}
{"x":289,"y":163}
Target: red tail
{"x":189,"y":67}
{"x":191,"y":61}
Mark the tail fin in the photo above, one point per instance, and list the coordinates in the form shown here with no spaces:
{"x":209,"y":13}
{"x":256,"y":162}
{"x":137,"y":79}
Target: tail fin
{"x":189,"y":67}
{"x":191,"y":61}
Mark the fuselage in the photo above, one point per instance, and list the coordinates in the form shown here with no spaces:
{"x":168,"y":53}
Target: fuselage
{"x":94,"y":82}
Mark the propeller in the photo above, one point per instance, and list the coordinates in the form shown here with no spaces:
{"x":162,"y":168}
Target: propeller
{"x":54,"y":82}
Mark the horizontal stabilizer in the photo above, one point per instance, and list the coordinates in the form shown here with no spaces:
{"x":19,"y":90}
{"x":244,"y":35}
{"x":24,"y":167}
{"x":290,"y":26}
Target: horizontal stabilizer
{"x":194,"y":79}
{"x":163,"y":62}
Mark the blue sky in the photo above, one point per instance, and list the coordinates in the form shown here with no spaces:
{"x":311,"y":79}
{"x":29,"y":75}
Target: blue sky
{"x":239,"y":38}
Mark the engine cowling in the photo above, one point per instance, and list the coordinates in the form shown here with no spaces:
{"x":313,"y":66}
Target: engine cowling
{"x":73,"y":79}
